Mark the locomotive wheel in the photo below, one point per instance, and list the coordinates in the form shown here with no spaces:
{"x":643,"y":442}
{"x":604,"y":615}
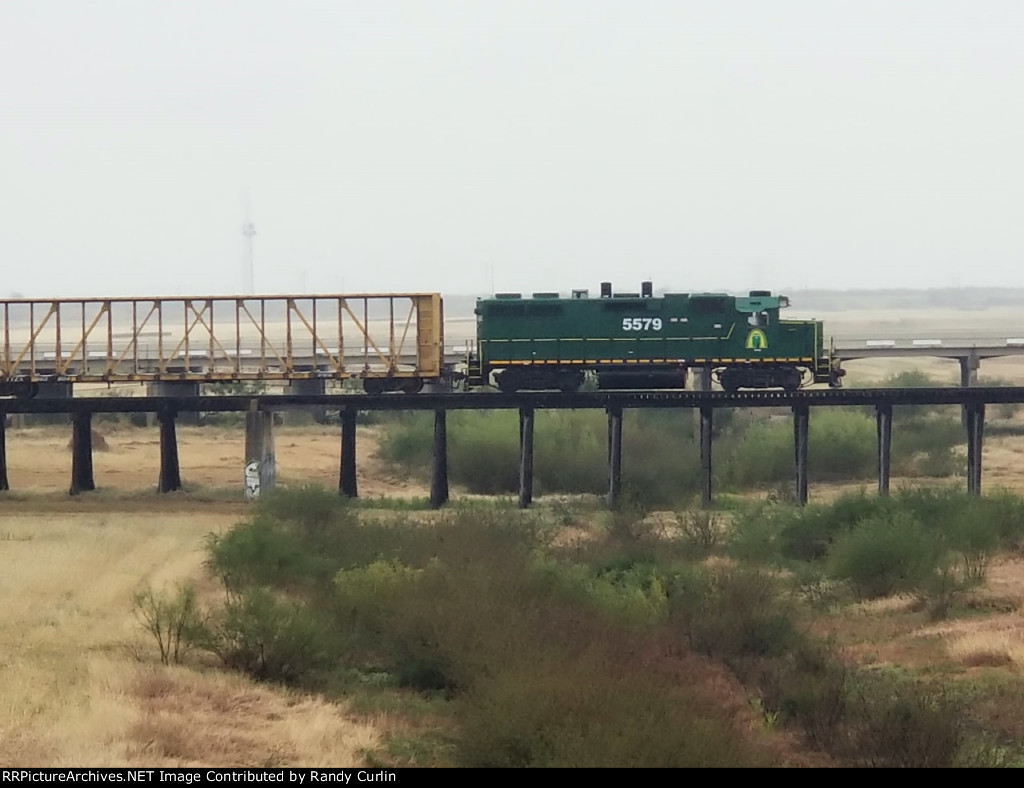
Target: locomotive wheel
{"x":792,"y":380}
{"x":729,"y":381}
{"x":570,"y":382}
{"x":509,"y":381}
{"x":411,"y":385}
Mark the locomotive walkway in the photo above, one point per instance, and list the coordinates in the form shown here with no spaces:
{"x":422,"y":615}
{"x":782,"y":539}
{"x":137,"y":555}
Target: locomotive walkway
{"x":259,"y":468}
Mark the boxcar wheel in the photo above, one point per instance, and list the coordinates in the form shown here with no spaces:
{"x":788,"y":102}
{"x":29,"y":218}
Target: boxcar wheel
{"x":375,"y":386}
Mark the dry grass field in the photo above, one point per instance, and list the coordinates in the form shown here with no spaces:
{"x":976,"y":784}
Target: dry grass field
{"x":211,"y":459}
{"x":81,"y":684}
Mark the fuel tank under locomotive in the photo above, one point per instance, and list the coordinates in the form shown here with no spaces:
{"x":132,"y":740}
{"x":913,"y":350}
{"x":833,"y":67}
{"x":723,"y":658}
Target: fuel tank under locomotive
{"x":645,"y":379}
{"x":760,"y":376}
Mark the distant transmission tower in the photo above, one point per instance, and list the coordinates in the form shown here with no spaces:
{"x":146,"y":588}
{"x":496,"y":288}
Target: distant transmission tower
{"x":248,"y":231}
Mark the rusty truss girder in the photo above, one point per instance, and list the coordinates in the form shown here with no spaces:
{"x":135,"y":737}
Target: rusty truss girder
{"x":223,"y":338}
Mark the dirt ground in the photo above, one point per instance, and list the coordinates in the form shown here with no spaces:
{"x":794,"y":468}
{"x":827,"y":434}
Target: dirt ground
{"x":211,"y":459}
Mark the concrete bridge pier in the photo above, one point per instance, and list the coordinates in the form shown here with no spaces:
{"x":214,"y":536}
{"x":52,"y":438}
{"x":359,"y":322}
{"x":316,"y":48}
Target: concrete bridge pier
{"x":705,"y":415}
{"x":439,"y":469}
{"x":883,"y":428}
{"x":614,"y":455}
{"x":700,"y":380}
{"x":801,"y":418}
{"x":176,"y":388}
{"x":170,"y":471}
{"x":3,"y":452}
{"x":525,"y":457}
{"x":260,"y":463}
{"x":347,"y":482}
{"x":81,"y":454}
{"x":701,"y":377}
{"x":969,"y":366}
{"x":975,"y":413}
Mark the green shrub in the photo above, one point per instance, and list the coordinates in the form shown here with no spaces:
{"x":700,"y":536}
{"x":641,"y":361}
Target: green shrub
{"x":366,"y":595}
{"x":731,"y":613}
{"x":762,"y":454}
{"x":408,"y":439}
{"x":570,"y":452}
{"x":483,"y":451}
{"x":1005,"y":512}
{"x":701,"y":532}
{"x":584,"y":711}
{"x":271,"y":639}
{"x":1002,"y":410}
{"x":295,"y":539}
{"x":841,"y":445}
{"x":885,"y":554}
{"x":901,"y":724}
{"x":262,"y":553}
{"x":754,"y":534}
{"x":807,"y":686}
{"x":807,"y":534}
{"x":661,"y":458}
{"x":443,"y":602}
{"x":969,"y":530}
{"x":625,"y":590}
{"x":910,"y":379}
{"x":314,"y":510}
{"x":927,"y":445}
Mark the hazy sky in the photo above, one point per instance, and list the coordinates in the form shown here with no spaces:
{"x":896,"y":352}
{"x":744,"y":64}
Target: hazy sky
{"x":399,"y":145}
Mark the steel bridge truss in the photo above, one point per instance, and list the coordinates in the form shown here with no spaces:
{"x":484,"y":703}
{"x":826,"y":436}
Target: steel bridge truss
{"x":218,"y":338}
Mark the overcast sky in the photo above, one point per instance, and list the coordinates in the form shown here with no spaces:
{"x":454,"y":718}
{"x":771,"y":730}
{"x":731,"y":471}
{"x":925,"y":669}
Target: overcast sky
{"x":403,"y":145}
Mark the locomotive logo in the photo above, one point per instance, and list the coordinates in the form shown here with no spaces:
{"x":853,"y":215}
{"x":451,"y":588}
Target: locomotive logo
{"x":756,"y":340}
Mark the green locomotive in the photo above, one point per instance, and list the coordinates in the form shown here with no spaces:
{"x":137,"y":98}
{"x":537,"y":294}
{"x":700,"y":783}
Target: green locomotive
{"x":639,"y":340}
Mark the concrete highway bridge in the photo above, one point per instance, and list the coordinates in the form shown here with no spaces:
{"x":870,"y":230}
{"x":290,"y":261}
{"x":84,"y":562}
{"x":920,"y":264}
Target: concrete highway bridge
{"x":968,"y":351}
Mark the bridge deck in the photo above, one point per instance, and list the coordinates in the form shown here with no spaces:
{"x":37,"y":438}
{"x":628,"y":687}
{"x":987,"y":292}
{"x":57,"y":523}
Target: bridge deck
{"x":540,"y":400}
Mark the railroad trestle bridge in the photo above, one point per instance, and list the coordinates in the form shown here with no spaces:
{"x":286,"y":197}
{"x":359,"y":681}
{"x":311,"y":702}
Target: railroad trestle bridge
{"x":259,"y":469}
